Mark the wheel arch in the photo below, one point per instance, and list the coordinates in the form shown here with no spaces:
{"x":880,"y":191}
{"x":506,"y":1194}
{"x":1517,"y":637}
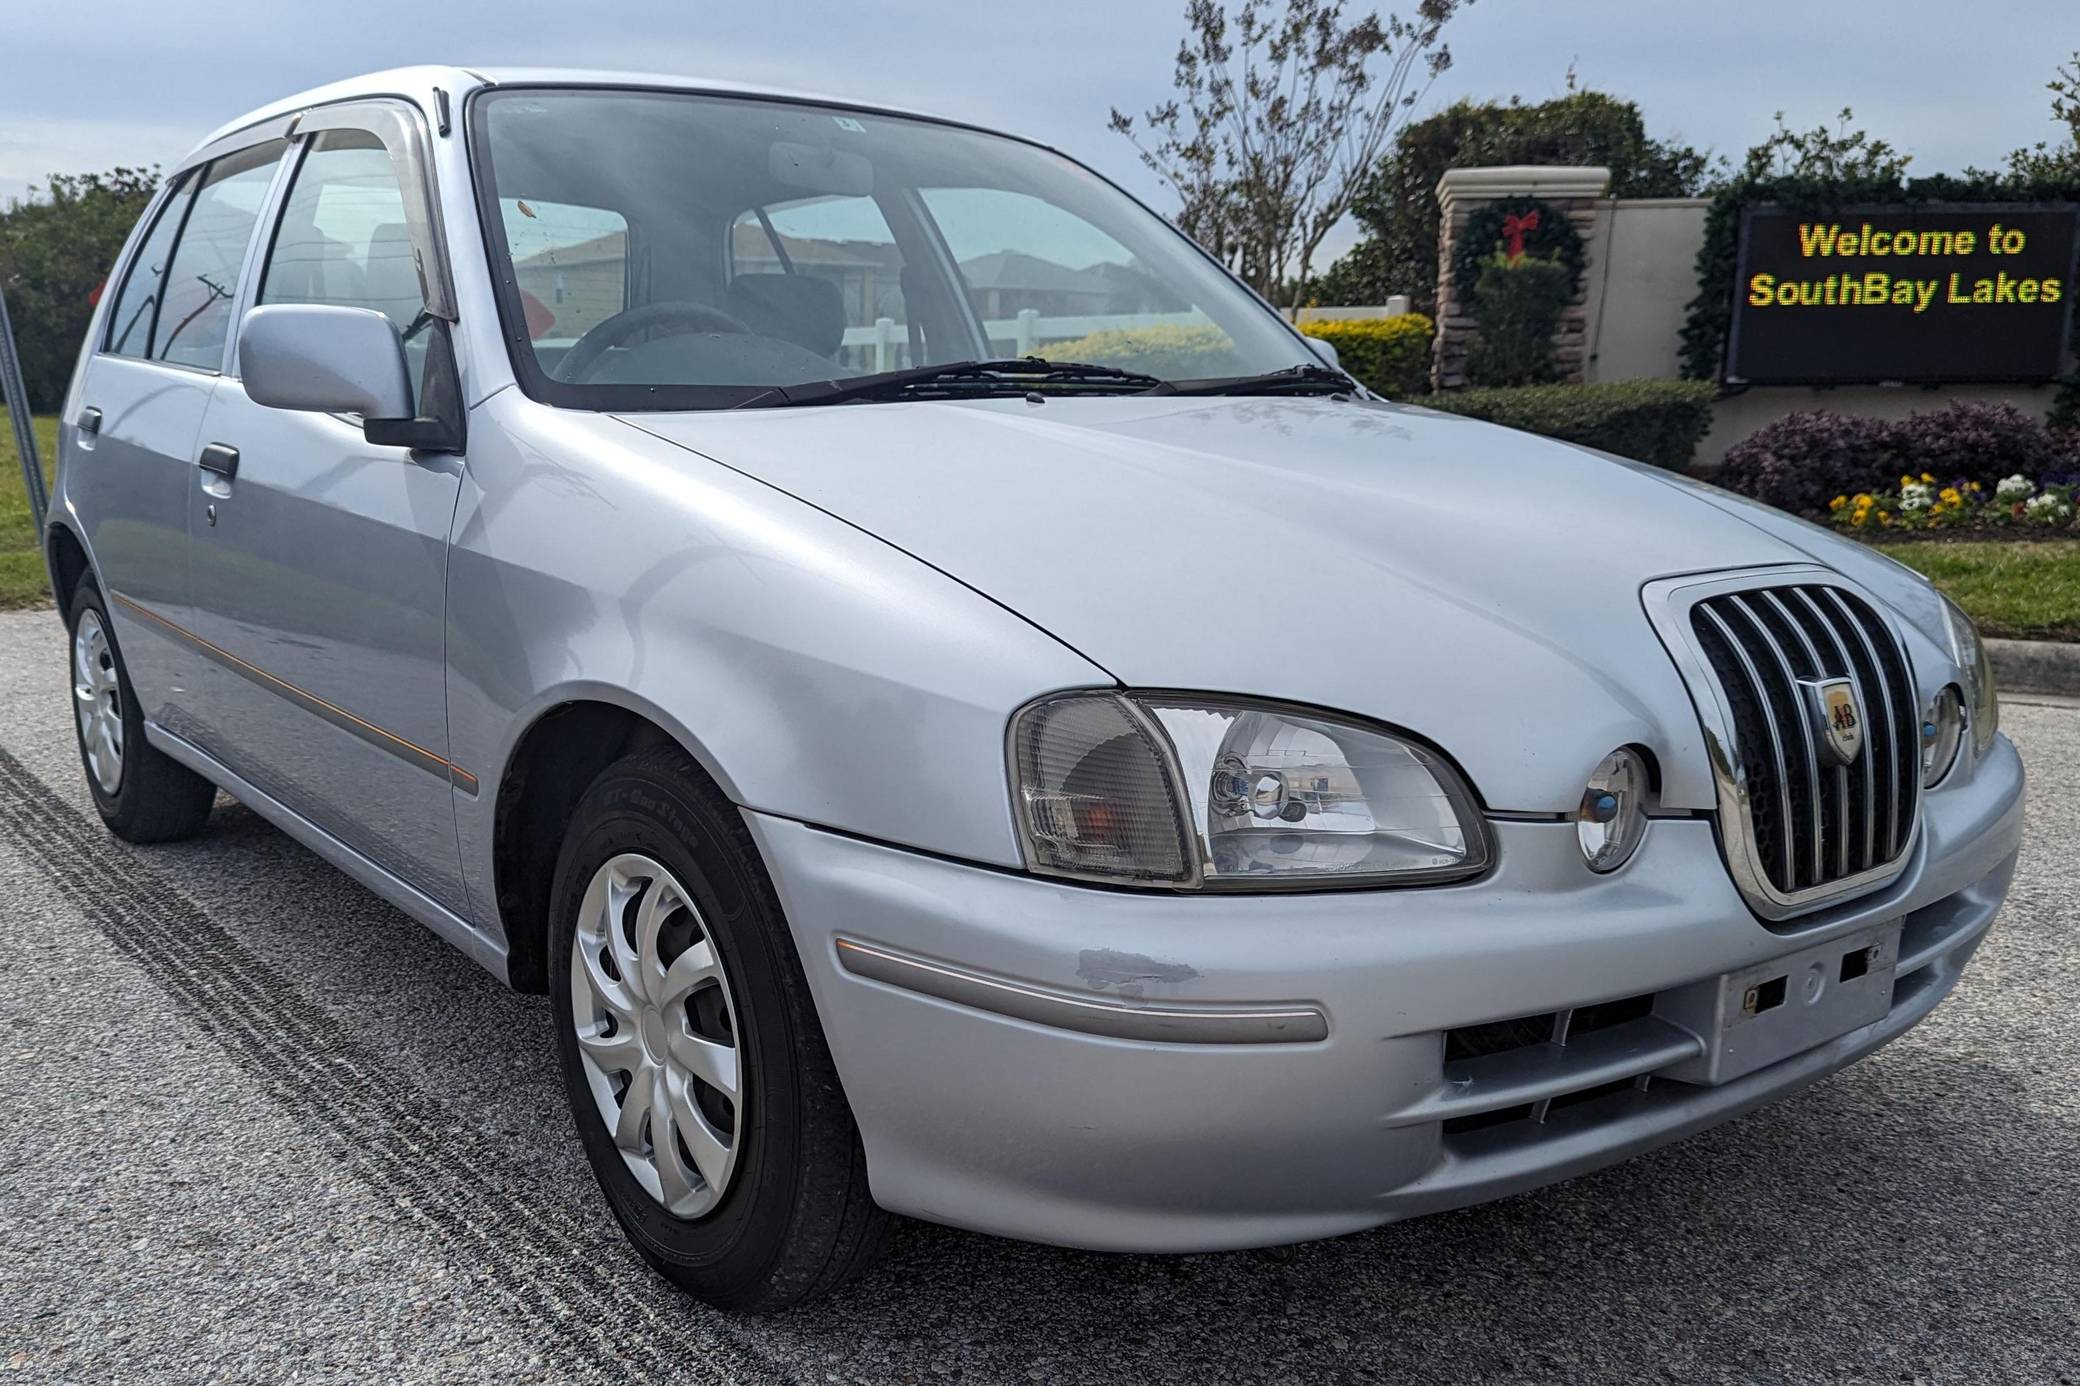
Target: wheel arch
{"x":561,"y":751}
{"x":66,"y":554}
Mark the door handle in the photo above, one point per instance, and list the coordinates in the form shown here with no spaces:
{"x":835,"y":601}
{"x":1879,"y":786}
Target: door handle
{"x":219,"y":458}
{"x":90,"y":422}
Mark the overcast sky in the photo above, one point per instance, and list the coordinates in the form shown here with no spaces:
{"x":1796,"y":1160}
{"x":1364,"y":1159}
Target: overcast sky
{"x":87,"y":84}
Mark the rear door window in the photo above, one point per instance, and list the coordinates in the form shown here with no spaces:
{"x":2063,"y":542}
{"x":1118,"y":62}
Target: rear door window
{"x":130,"y":321}
{"x":194,"y":317}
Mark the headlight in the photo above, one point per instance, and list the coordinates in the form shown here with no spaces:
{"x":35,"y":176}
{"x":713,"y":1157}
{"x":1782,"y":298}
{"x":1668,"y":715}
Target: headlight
{"x":1613,"y":816}
{"x":1202,"y":792}
{"x":1942,"y":727}
{"x":1982,"y":707}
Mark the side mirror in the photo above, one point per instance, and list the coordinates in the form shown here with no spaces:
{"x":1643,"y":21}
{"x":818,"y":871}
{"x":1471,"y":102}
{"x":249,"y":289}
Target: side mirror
{"x":1325,"y":350}
{"x":323,"y":358}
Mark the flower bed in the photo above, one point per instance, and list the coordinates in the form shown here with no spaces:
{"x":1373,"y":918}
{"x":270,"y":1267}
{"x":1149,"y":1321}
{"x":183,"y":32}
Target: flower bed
{"x":1924,"y":505}
{"x":1966,"y":466}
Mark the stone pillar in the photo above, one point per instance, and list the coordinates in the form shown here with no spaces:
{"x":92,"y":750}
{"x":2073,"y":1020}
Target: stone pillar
{"x":1574,"y":191}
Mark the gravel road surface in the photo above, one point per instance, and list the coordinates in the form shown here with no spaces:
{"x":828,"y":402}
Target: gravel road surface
{"x":256,"y":1125}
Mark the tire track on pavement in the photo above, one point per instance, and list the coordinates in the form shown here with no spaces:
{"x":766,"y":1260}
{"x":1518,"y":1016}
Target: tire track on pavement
{"x":396,"y":1137}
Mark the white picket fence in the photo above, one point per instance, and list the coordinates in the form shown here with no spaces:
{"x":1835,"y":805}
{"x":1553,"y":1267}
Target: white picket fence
{"x":885,"y":345}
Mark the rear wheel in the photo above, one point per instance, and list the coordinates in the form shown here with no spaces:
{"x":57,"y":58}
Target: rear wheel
{"x":704,"y":1094}
{"x":143,"y":794}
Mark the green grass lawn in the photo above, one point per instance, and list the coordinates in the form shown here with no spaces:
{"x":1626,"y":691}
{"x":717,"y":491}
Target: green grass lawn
{"x":22,"y":580}
{"x":2020,"y":590}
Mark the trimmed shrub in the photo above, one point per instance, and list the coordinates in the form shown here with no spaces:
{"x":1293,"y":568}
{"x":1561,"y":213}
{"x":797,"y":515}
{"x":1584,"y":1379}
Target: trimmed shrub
{"x":1390,"y":356}
{"x":1181,"y":351}
{"x":1655,"y":421}
{"x":1517,"y":305}
{"x":1969,"y":441}
{"x":2066,"y":442}
{"x":1803,"y":461}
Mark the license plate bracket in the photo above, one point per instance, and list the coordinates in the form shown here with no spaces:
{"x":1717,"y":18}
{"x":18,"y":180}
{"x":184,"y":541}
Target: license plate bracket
{"x":1753,"y":1017}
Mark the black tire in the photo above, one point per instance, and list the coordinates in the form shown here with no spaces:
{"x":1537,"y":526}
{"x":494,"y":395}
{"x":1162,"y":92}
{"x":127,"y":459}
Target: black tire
{"x":795,"y":1220}
{"x":156,"y":798}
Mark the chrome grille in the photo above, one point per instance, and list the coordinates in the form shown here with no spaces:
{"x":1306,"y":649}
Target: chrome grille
{"x":1808,"y":828}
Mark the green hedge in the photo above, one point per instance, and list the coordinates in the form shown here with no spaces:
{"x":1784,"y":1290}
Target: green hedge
{"x":1388,"y":355}
{"x":1178,"y":351}
{"x":1655,"y":421}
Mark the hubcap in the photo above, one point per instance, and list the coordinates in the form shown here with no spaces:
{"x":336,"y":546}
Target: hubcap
{"x":657,"y":1033}
{"x":98,"y":700}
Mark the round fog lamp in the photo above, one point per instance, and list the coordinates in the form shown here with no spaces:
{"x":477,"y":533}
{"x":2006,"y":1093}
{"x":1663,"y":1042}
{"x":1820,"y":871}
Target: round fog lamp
{"x":1942,"y":729}
{"x":1613,"y":815}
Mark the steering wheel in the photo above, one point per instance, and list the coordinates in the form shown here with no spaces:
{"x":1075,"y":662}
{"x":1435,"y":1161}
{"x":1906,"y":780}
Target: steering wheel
{"x":680,"y":316}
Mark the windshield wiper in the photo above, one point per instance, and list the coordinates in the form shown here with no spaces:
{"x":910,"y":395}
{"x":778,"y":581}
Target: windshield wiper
{"x":962,"y":380}
{"x":1293,"y":380}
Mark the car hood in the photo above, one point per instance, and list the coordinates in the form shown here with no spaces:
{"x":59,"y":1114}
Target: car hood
{"x":1476,"y":585}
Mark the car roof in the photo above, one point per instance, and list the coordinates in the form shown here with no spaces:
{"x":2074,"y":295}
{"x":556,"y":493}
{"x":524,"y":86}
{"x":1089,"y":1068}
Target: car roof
{"x":418,"y":84}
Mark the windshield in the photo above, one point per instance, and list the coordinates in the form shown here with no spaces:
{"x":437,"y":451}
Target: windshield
{"x":669,"y":251}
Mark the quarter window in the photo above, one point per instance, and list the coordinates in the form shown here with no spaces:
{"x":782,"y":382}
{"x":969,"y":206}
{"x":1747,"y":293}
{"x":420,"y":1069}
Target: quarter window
{"x":1047,"y":282}
{"x":344,"y":240}
{"x":570,"y":264}
{"x":130,"y":322}
{"x":194,"y":316}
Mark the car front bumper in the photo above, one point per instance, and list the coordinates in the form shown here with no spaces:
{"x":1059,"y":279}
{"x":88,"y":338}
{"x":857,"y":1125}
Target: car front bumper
{"x":1145,"y":1072}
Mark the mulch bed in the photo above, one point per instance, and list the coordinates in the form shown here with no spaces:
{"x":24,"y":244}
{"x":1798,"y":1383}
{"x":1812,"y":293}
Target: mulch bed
{"x":1989,"y":535}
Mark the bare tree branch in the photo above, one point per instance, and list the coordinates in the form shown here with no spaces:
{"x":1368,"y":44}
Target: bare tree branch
{"x":1279,"y":112}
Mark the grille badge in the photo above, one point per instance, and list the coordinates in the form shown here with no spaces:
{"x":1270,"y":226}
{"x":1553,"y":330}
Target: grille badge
{"x":1838,"y":716}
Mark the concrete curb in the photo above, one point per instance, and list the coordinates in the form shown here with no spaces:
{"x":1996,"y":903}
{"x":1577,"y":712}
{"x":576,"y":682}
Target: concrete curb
{"x":2035,"y":666}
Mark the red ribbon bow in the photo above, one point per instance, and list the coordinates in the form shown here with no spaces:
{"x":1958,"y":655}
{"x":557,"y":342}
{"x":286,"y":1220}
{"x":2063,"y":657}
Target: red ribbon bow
{"x":1514,"y":228}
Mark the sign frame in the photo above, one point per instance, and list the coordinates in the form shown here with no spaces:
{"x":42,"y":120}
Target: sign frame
{"x":2068,"y":356}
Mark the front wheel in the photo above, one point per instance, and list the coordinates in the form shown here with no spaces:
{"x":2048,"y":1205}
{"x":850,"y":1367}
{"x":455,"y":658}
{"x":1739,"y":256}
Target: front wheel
{"x":704,"y":1094}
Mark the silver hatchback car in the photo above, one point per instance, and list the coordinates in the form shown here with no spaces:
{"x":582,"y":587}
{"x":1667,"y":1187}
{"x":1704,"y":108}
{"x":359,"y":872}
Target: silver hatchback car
{"x":962,"y":710}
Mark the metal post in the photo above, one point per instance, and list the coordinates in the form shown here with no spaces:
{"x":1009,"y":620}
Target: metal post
{"x":17,"y":398}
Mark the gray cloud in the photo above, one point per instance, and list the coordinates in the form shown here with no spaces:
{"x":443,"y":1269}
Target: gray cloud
{"x":91,"y":83}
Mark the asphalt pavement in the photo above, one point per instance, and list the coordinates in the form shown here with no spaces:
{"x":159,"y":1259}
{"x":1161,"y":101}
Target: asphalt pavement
{"x":257,"y":1125}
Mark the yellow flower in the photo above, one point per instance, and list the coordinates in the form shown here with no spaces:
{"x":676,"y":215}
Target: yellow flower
{"x":1865,"y":498}
{"x":1838,"y":502}
{"x":1973,"y":487}
{"x":1949,"y":494}
{"x":1906,"y":481}
{"x":1929,"y":478}
{"x":1884,"y":517}
{"x":1859,"y":517}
